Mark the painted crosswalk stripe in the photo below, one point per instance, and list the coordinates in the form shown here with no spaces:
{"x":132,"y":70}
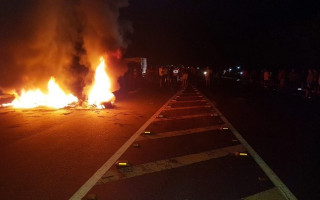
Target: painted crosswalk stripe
{"x":188,"y":107}
{"x":179,"y":132}
{"x":167,"y":164}
{"x":189,"y":97}
{"x":184,"y":117}
{"x":190,"y":101}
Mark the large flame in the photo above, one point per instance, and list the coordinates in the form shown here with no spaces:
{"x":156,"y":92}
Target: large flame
{"x":56,"y":97}
{"x":100,"y":91}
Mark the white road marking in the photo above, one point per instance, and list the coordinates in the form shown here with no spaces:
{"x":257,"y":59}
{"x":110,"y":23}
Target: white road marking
{"x":177,"y":133}
{"x":191,"y":101}
{"x":267,"y":170}
{"x":84,"y":189}
{"x":167,"y":164}
{"x":272,"y":193}
{"x":189,"y":97}
{"x":188,"y":107}
{"x":183,"y":117}
{"x":183,"y":94}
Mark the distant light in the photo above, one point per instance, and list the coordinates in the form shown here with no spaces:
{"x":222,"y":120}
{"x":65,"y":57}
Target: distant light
{"x":238,"y":67}
{"x":240,"y":73}
{"x":198,"y":67}
{"x":243,"y":154}
{"x":230,"y":69}
{"x":204,"y":73}
{"x":299,"y":89}
{"x":238,"y":79}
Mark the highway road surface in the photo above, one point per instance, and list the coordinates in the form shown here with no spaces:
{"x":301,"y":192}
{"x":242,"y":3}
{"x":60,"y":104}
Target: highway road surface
{"x":152,"y":145}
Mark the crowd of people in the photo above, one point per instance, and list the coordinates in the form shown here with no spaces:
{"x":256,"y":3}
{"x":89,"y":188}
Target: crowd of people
{"x":308,"y":81}
{"x":174,"y":76}
{"x":181,"y":76}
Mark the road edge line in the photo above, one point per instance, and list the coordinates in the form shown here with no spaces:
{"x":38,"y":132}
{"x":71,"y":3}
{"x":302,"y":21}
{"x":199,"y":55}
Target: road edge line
{"x":267,"y":170}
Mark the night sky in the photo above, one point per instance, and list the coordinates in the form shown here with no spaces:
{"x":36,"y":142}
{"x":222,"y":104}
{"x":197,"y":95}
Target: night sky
{"x":263,"y":34}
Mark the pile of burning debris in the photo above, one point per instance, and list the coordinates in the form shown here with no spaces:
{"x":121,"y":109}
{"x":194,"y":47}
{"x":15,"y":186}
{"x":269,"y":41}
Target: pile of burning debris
{"x":99,"y":95}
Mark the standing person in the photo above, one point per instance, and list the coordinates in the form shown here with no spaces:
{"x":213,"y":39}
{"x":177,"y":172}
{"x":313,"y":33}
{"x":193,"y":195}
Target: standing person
{"x":169,"y":76}
{"x":175,"y":74}
{"x":165,"y":75}
{"x":207,"y":74}
{"x":318,"y":83}
{"x":161,"y":76}
{"x":309,"y":83}
{"x":184,"y":78}
{"x":293,"y":79}
{"x":282,"y":78}
{"x":135,"y":78}
{"x":315,"y":80}
{"x":266,"y":78}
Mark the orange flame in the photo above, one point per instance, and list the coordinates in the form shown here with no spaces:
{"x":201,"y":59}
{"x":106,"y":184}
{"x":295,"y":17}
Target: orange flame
{"x":100,"y":91}
{"x":56,"y":98}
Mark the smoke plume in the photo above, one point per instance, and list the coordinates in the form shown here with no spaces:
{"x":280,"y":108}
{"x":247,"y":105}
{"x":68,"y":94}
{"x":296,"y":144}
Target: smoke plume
{"x":64,"y":39}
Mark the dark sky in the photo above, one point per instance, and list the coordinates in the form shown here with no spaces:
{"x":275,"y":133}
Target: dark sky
{"x":250,"y":33}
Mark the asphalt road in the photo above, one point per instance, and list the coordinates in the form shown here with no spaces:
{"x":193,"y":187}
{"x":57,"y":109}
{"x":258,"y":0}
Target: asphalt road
{"x":282,"y":126}
{"x":49,"y":154}
{"x":188,"y":154}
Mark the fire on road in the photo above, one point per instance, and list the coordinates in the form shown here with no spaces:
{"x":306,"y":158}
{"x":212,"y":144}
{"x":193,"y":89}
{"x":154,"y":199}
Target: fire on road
{"x":50,"y":153}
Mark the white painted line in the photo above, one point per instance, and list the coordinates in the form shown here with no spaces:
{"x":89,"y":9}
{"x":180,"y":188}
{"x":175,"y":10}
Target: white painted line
{"x":177,"y":133}
{"x":167,"y":164}
{"x":192,"y":101}
{"x":189,"y":97}
{"x":267,"y":170}
{"x":84,"y":189}
{"x":188,"y":107}
{"x":184,"y":117}
{"x":272,"y":193}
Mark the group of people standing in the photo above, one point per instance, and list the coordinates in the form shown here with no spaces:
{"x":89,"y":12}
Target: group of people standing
{"x":312,"y":82}
{"x":170,"y":75}
{"x":294,"y":80}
